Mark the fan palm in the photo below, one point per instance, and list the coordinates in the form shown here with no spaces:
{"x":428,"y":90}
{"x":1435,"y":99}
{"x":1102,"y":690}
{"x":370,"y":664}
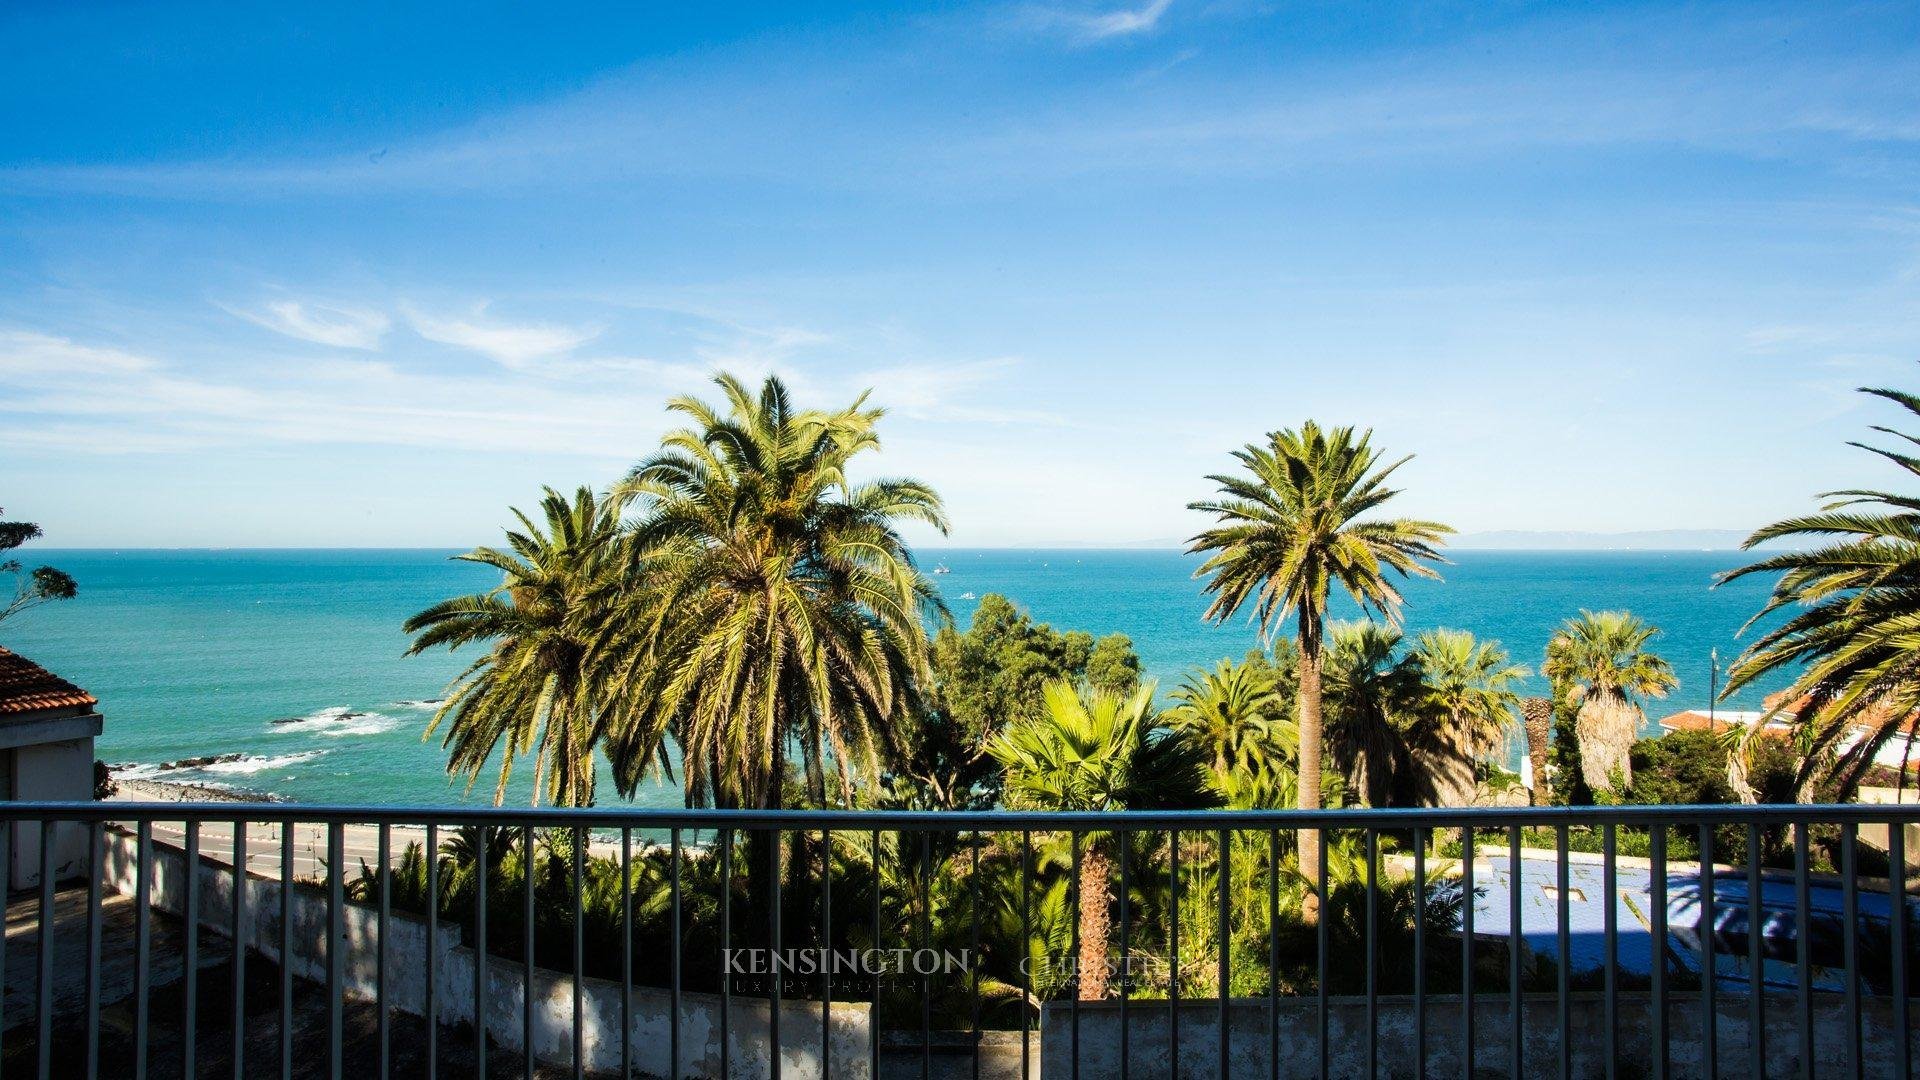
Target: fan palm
{"x":536,"y":688}
{"x":1374,"y":713}
{"x":1288,"y":528}
{"x":1602,"y":660}
{"x":1470,"y":688}
{"x":789,"y":613}
{"x":1093,"y":750}
{"x":1853,"y":645}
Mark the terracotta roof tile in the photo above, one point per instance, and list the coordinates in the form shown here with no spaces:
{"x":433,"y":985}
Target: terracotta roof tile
{"x":27,"y":687}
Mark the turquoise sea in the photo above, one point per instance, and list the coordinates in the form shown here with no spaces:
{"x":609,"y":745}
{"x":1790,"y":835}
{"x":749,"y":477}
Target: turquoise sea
{"x":293,"y":658}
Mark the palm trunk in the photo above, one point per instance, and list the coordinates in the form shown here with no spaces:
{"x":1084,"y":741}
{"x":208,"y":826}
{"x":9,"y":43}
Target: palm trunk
{"x":1538,"y":714}
{"x":1308,"y":794}
{"x":1095,"y":872}
{"x":1608,"y":725}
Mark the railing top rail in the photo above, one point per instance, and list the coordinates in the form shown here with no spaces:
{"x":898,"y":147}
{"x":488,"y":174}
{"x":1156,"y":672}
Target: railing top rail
{"x":985,"y":820}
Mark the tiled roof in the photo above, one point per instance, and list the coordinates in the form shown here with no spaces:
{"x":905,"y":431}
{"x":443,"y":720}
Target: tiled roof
{"x":27,"y":687}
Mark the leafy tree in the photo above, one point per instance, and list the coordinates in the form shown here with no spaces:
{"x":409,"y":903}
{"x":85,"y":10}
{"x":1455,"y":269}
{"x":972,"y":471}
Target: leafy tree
{"x":1289,"y":527}
{"x":994,"y":673}
{"x":1601,"y":663}
{"x":1470,"y":689}
{"x":788,"y":613}
{"x":1851,"y":645}
{"x":537,"y":687}
{"x":1093,"y":750}
{"x":40,"y":585}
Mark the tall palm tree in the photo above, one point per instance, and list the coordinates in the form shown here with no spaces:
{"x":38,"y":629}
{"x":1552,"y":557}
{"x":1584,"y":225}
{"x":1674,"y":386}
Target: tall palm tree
{"x":537,"y":687}
{"x":1290,"y":526}
{"x":789,"y":613}
{"x":1602,"y":659}
{"x":1470,"y":687}
{"x":1237,"y":714}
{"x":1093,"y":750}
{"x":1374,"y":704}
{"x":1852,"y":645}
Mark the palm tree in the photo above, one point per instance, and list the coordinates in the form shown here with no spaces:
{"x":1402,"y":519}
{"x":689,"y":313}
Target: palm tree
{"x":1237,"y":714}
{"x":789,"y":612}
{"x":1470,"y":686}
{"x":536,"y":688}
{"x":1852,"y":647}
{"x":1290,"y":527}
{"x":1093,"y":750}
{"x":1602,"y":660}
{"x":1374,"y":703}
{"x":1538,"y":718}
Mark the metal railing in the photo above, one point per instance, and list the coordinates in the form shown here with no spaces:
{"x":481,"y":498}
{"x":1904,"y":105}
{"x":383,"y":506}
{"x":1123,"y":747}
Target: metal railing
{"x":375,"y":941}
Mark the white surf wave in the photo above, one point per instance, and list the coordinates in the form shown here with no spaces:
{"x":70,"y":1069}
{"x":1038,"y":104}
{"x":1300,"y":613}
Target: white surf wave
{"x":338,"y":720}
{"x":223,"y":765}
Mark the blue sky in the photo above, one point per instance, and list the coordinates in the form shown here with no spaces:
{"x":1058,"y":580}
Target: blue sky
{"x":343,"y":276}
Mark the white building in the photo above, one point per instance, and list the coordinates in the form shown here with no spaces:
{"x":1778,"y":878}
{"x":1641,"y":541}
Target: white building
{"x":47,"y":728}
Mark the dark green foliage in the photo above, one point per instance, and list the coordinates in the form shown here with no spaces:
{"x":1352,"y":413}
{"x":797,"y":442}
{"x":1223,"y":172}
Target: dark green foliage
{"x":40,"y":585}
{"x":993,"y":673}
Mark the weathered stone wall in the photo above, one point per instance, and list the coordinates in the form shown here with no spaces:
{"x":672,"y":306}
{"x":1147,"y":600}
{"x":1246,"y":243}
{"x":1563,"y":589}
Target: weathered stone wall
{"x":748,"y":1035}
{"x":1249,"y":1039}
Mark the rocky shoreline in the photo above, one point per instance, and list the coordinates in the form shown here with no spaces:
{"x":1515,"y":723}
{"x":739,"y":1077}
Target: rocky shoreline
{"x":128,"y":789}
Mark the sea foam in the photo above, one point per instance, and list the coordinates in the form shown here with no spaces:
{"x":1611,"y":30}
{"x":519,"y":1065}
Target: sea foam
{"x":338,"y":720}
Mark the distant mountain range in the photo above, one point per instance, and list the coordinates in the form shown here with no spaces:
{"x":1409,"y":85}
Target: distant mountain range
{"x":1522,"y":540}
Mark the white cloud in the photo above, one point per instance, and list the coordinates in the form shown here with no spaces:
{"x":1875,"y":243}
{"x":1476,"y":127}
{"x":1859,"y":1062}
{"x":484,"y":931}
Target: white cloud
{"x":322,"y":324}
{"x":510,"y":344}
{"x":1127,"y":21}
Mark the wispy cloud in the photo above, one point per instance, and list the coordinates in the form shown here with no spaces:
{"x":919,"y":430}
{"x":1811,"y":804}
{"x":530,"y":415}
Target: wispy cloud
{"x":1096,"y":24}
{"x":322,"y":324}
{"x":512,"y":344}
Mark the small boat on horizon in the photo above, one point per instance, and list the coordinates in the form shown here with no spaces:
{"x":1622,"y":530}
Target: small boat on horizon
{"x":942,"y":569}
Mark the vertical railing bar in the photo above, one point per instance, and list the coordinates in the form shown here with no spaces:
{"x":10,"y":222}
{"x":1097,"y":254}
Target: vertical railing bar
{"x":1897,"y":892}
{"x":1803,"y":948}
{"x":239,"y":932}
{"x":527,"y":988}
{"x":1657,"y":882}
{"x":579,"y":860}
{"x":382,"y":1019}
{"x":43,"y":1000}
{"x":1466,"y":950}
{"x":96,"y":871}
{"x":1173,"y":956}
{"x":1516,"y":1000}
{"x":1709,"y":969}
{"x":1225,"y":938}
{"x":430,"y":997}
{"x":1420,"y":951}
{"x":190,"y":969}
{"x":675,"y":957}
{"x":142,"y":942}
{"x":626,"y":952}
{"x":286,"y":949}
{"x":1610,"y":920}
{"x":1125,"y":845}
{"x":1273,"y":954}
{"x":1563,"y":912}
{"x":482,"y":834}
{"x":1073,"y":953}
{"x":926,"y":941}
{"x":973,"y":952}
{"x":1320,"y":923}
{"x":873,"y":1007}
{"x":1026,"y":949}
{"x":773,"y":1010}
{"x":726,"y":955}
{"x":826,"y":946}
{"x":1373,"y":953}
{"x":336,"y":946}
{"x":7,"y":829}
{"x":1850,"y":942}
{"x":1756,"y":959}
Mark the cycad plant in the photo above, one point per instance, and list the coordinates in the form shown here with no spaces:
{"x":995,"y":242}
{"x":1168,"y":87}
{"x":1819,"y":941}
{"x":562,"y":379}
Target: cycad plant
{"x":1092,"y":750}
{"x":788,"y":615}
{"x":1852,"y":645}
{"x":1602,"y":661}
{"x":537,"y":687}
{"x":1291,"y":526}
